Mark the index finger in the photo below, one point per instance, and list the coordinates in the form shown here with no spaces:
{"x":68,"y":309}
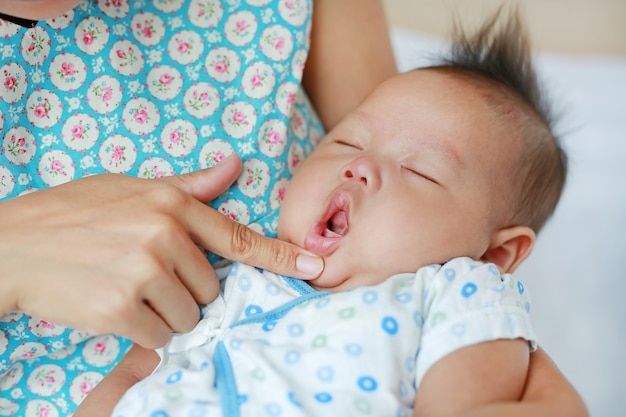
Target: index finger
{"x":229,"y":239}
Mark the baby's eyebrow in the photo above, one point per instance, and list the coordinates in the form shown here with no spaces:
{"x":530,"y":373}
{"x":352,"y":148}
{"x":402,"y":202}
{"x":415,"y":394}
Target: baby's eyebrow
{"x":448,"y":152}
{"x":369,"y":123}
{"x":363,"y":120}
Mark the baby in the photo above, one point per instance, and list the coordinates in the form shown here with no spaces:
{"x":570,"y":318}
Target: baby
{"x":449,"y":171}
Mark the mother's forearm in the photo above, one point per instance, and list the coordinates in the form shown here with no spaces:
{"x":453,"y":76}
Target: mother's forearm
{"x":350,"y":54}
{"x":547,"y":393}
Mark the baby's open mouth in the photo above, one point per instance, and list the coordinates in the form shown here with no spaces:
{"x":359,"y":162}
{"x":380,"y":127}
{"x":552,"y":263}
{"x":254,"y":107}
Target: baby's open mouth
{"x":337,"y":225}
{"x":324,"y":237}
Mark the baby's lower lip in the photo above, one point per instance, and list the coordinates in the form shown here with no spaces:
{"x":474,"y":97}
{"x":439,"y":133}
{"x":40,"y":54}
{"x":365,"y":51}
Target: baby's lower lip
{"x":316,"y":242}
{"x":323,"y":239}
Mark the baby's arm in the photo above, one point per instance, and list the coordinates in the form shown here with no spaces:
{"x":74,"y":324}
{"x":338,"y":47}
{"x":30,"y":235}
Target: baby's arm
{"x":470,"y":381}
{"x":136,"y":365}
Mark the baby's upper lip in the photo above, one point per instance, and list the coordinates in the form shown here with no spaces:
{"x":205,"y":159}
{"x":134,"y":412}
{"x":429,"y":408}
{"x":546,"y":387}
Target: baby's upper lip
{"x":324,"y":237}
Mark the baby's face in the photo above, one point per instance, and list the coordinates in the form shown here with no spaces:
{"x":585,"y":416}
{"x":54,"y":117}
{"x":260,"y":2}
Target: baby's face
{"x":408,"y":179}
{"x":36,"y":9}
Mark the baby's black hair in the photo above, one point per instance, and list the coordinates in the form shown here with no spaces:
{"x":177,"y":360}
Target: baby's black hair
{"x":499,"y":52}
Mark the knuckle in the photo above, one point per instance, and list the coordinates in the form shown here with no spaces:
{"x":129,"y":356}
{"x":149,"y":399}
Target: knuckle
{"x":159,"y":229}
{"x":119,"y":305}
{"x":189,"y":324}
{"x":169,"y":197}
{"x":281,"y":257}
{"x":183,"y":184}
{"x":167,"y":227}
{"x":115,"y":308}
{"x":146,"y":271}
{"x":250,"y":247}
{"x":121,"y":301}
{"x":244,"y":242}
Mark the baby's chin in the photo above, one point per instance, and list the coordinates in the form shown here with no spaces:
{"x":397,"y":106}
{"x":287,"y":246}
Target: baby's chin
{"x":331,"y":283}
{"x":341,"y":282}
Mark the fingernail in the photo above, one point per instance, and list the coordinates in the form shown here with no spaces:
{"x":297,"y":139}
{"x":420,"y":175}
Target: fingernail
{"x":311,"y":266}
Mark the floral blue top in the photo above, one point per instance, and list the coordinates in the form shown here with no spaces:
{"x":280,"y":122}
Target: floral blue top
{"x":147,"y":88}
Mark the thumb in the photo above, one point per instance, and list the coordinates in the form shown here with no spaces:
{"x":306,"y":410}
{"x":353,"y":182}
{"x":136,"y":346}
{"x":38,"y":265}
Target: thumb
{"x":206,"y":184}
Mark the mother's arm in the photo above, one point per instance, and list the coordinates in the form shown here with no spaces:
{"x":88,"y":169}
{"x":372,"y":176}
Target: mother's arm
{"x":547,"y":392}
{"x":350,"y":54}
{"x":484,"y":380}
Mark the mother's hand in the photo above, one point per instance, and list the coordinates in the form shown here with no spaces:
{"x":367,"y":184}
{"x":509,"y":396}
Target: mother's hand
{"x":117,"y":254}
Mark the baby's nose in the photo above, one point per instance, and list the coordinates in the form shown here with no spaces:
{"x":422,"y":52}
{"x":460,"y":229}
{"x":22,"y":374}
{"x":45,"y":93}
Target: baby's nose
{"x":363,"y":169}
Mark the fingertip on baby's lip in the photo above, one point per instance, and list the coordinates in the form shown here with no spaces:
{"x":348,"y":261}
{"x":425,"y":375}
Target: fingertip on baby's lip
{"x":309,"y":265}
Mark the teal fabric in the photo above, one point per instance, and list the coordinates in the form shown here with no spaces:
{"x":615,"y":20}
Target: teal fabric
{"x":148,"y":89}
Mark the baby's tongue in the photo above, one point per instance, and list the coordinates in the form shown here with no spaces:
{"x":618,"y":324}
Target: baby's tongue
{"x":337,"y":225}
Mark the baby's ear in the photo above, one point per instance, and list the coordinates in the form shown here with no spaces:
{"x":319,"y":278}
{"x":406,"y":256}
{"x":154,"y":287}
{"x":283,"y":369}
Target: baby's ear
{"x":510,"y":247}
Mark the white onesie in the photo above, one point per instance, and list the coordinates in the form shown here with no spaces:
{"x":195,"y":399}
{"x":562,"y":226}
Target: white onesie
{"x":273,"y":346}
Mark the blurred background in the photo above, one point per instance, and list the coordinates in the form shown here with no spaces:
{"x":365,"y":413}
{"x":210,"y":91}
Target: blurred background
{"x":568,"y":26}
{"x":575,"y":275}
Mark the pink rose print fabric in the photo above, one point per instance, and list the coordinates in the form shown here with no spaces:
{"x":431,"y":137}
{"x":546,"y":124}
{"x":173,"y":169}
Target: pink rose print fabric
{"x":148,"y":88}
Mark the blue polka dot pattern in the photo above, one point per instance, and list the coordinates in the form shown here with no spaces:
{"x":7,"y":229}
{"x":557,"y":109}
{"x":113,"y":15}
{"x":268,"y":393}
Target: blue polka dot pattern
{"x":362,"y":352}
{"x":418,"y":318}
{"x":253,"y":310}
{"x":272,"y":289}
{"x":450,"y":274}
{"x":469,"y":289}
{"x":296,"y":330}
{"x":390,"y":325}
{"x":174,"y":378}
{"x":324,"y":397}
{"x":293,"y":399}
{"x":292,"y":357}
{"x":198,"y":411}
{"x":404,"y":297}
{"x":367,"y":383}
{"x":273,"y":409}
{"x":244,"y":283}
{"x":322,"y":303}
{"x":269,"y":325}
{"x":370,"y":297}
{"x":354,"y":349}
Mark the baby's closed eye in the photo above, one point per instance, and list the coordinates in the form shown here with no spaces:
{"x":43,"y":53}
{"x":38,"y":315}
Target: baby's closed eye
{"x":420,"y":173}
{"x":349,"y":143}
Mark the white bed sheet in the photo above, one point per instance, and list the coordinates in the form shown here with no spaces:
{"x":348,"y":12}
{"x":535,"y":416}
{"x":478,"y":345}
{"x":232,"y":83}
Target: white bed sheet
{"x":576,"y":275}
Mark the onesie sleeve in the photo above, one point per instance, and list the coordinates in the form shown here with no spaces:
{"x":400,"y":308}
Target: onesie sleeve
{"x":469,"y":302}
